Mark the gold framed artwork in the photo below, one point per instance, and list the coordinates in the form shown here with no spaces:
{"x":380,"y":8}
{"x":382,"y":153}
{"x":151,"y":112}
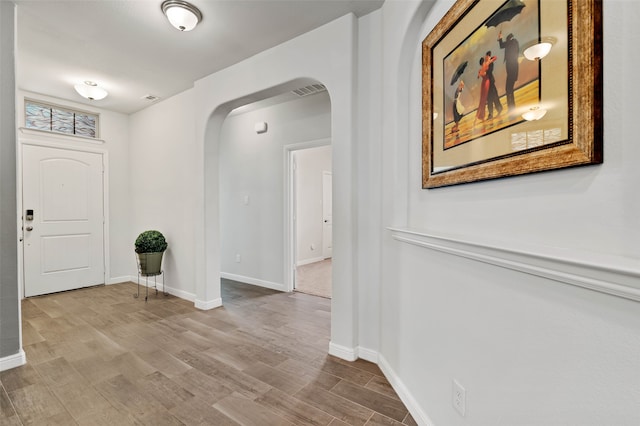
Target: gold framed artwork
{"x":511,"y":87}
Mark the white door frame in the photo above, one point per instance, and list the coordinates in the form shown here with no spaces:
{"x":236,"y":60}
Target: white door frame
{"x":289,"y":208}
{"x":67,"y":143}
{"x":327,"y":252}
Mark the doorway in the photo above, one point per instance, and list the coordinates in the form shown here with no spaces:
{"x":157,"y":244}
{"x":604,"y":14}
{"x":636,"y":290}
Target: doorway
{"x":254,"y":154}
{"x":63,"y":219}
{"x":311,"y":195}
{"x":327,"y":214}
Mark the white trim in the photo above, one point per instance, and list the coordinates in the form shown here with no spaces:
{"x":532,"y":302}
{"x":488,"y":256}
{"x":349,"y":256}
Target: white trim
{"x":13,"y":361}
{"x":368,"y":354}
{"x":614,"y":275}
{"x":60,"y":142}
{"x":289,"y":208}
{"x":20,"y":226}
{"x":207,"y":305}
{"x":120,"y":280}
{"x":343,"y":352}
{"x":327,"y":250}
{"x":20,"y":333}
{"x":405,"y":396}
{"x":253,"y":281}
{"x":62,"y":136}
{"x":350,"y":354}
{"x":309,"y":261}
{"x":106,"y":208}
{"x":191,"y":297}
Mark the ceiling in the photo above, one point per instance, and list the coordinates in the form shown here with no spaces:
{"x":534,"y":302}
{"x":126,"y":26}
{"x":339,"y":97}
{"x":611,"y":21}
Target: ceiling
{"x":129,"y":48}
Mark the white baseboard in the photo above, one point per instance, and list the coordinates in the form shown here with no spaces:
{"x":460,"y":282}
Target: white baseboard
{"x":368,"y":354}
{"x":181,"y":294}
{"x":206,"y":305}
{"x":253,"y":281}
{"x":13,"y":361}
{"x":351,"y":354}
{"x":343,"y":352}
{"x":308,"y":261}
{"x":120,"y":280}
{"x":191,"y":297}
{"x":405,"y":396}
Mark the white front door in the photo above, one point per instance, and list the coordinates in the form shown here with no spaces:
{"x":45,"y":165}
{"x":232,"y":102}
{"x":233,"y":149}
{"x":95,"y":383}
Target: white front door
{"x":327,"y":215}
{"x":64,"y":238}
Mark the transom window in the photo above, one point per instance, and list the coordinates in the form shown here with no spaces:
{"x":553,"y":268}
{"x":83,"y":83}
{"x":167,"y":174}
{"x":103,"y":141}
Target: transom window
{"x":52,"y":118}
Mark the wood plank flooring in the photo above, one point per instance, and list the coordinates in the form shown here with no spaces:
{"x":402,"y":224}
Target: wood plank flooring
{"x":98,"y":356}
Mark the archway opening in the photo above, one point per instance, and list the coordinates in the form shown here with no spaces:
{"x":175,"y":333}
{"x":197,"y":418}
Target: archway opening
{"x":258,"y":215}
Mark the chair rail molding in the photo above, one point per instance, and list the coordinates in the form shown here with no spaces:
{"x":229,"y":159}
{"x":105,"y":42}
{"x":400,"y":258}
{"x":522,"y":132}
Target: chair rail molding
{"x":614,"y":275}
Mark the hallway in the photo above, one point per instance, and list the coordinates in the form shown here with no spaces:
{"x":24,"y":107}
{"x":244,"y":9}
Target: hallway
{"x":98,"y":356}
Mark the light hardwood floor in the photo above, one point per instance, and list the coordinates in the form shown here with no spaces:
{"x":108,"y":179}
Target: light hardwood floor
{"x":98,"y":356}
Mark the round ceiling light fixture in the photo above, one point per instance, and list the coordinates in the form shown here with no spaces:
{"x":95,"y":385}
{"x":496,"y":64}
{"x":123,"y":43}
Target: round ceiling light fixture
{"x":182,"y":15}
{"x":91,"y":91}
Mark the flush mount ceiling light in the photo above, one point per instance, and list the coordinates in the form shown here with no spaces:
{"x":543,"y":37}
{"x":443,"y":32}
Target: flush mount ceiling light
{"x":91,"y":91}
{"x":182,"y":15}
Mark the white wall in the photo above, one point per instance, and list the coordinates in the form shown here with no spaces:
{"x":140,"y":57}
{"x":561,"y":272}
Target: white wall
{"x":529,"y":349}
{"x":114,"y":131}
{"x":369,"y":175}
{"x":327,"y":55}
{"x":163,"y":157}
{"x":253,"y":165}
{"x":11,"y":354}
{"x":184,"y":202}
{"x":310,"y":165}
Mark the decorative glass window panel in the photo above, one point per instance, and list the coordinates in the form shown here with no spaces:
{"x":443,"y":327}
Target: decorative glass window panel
{"x":38,"y":117}
{"x":51,"y":118}
{"x":85,"y":125}
{"x":62,"y":121}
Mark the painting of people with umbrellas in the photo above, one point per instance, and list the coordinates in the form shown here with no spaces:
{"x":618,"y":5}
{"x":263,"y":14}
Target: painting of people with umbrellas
{"x":511,"y":87}
{"x":486,"y":79}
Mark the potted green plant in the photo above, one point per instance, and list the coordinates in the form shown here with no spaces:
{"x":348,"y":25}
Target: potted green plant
{"x":150,"y":245}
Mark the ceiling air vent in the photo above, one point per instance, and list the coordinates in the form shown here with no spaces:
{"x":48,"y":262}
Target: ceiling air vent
{"x":150,"y":98}
{"x":310,"y":90}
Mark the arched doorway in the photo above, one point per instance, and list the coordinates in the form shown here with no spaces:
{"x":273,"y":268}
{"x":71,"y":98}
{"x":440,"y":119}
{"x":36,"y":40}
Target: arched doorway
{"x":255,"y":174}
{"x":262,"y":76}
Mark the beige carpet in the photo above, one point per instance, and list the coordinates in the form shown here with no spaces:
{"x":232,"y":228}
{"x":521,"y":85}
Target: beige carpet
{"x":315,"y":278}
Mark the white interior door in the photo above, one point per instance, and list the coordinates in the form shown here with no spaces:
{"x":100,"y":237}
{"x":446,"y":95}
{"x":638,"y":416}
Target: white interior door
{"x":64,"y":238}
{"x":327,"y":218}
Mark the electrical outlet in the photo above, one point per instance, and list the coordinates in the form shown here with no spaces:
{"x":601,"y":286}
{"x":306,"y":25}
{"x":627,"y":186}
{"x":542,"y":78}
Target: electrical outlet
{"x":238,"y":258}
{"x":459,"y":398}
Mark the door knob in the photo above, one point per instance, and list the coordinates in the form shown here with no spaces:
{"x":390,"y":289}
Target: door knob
{"x":29,"y":228}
